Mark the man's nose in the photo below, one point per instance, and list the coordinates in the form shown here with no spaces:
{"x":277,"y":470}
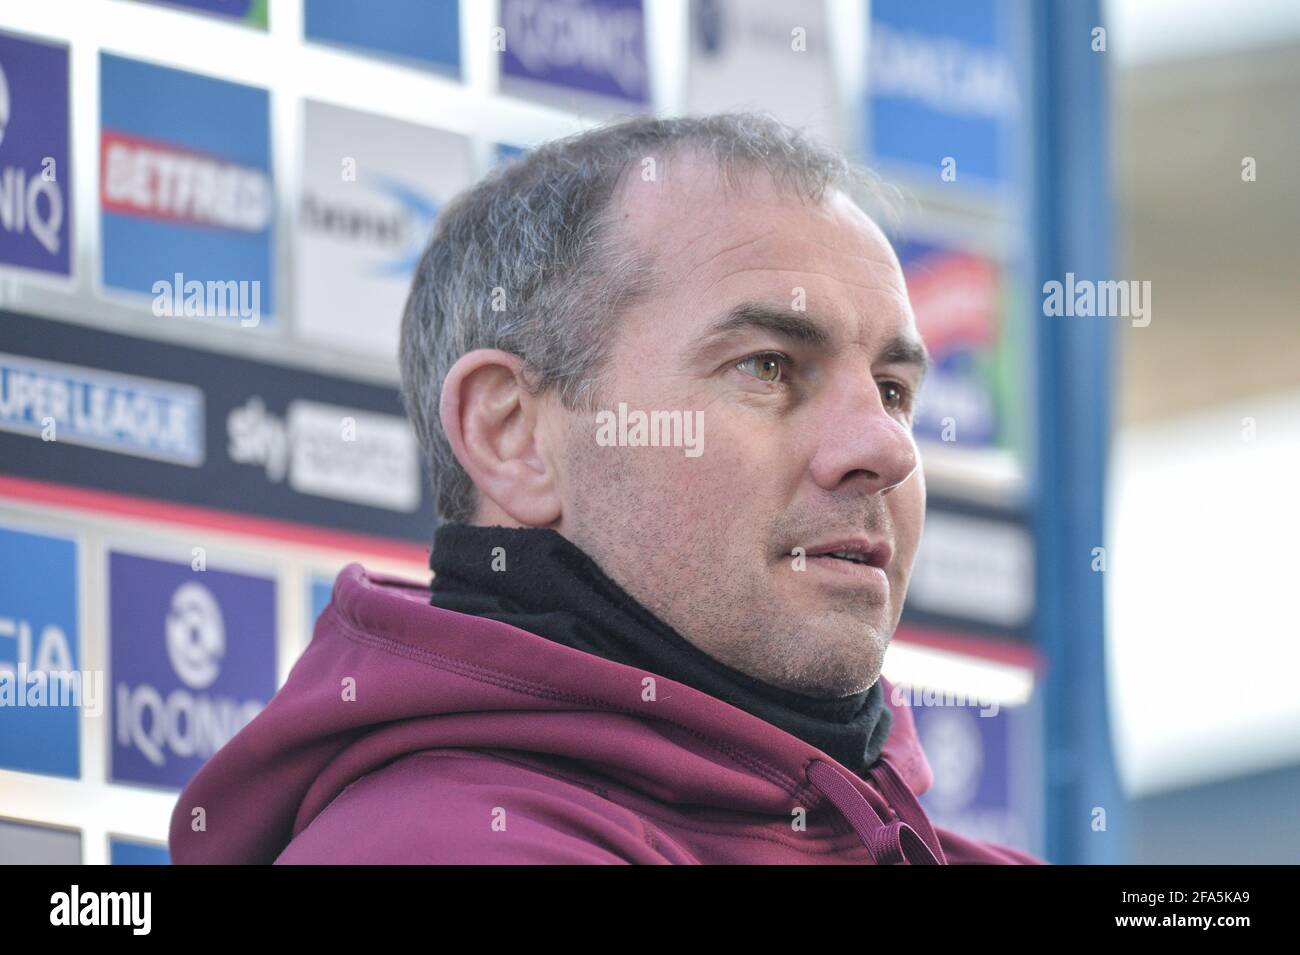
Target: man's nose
{"x":860,"y":440}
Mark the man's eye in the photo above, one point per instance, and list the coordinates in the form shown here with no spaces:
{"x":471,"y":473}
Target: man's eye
{"x":767,"y":365}
{"x":896,"y":395}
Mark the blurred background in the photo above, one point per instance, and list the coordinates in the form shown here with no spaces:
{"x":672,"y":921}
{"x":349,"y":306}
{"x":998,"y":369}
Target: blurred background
{"x":210,"y":211}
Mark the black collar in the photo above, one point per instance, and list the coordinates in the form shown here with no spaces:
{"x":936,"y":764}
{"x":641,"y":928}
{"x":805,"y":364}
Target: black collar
{"x":550,"y":587}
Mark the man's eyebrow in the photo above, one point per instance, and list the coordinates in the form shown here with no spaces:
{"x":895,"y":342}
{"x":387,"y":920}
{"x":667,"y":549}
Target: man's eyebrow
{"x":901,"y":350}
{"x":904,"y":350}
{"x":780,"y":322}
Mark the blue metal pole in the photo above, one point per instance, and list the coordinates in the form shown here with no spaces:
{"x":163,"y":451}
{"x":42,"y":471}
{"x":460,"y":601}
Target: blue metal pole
{"x":1085,"y":810}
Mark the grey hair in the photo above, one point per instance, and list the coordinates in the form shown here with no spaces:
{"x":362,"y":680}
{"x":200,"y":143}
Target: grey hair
{"x":527,"y":261}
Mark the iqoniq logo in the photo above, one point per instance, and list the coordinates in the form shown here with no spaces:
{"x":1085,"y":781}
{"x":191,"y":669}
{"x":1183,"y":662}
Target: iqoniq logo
{"x":23,"y":189}
{"x":185,"y":723}
{"x":196,"y":635}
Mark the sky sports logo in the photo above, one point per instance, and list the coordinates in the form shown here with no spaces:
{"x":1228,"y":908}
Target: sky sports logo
{"x":347,"y":454}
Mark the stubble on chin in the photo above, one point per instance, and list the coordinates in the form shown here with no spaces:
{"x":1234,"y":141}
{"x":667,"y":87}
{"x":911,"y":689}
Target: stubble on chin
{"x":828,"y":657}
{"x":675,"y":567}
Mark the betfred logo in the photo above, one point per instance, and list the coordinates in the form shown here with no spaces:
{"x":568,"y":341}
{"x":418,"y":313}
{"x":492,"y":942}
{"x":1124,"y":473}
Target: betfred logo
{"x":162,"y":182}
{"x":954,"y":297}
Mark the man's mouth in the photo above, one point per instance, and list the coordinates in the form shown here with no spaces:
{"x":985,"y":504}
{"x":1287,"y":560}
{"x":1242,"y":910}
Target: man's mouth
{"x":857,"y":550}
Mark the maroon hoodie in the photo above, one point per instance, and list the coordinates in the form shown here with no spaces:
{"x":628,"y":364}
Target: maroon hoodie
{"x":407,"y":733}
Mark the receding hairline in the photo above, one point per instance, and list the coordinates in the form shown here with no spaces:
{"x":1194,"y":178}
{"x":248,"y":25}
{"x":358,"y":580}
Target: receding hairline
{"x":734,"y":174}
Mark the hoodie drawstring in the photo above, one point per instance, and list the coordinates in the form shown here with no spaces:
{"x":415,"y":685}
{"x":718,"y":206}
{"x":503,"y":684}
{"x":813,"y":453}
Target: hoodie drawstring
{"x":908,"y":840}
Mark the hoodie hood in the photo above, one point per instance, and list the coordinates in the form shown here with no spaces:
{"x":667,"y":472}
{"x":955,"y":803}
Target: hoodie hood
{"x":387,"y":675}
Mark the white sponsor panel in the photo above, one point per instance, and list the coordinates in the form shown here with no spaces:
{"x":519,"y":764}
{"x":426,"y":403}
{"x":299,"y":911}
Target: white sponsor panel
{"x":974,"y":568}
{"x":353,"y":455}
{"x":372,"y":187}
{"x":772,"y":55}
{"x":330,"y":451}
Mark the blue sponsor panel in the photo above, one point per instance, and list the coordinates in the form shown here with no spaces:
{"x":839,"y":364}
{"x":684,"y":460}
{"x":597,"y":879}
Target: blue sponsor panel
{"x":187,"y":199}
{"x":35,"y":166}
{"x":126,"y":414}
{"x":958,"y":299}
{"x":191,"y":662}
{"x":585,"y":48}
{"x":424,"y":32}
{"x":945,"y":81}
{"x":987,"y":768}
{"x":84,"y":407}
{"x":129,"y":852}
{"x":41,"y":688}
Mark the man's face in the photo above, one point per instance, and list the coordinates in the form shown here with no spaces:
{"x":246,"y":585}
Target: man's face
{"x":805,"y":397}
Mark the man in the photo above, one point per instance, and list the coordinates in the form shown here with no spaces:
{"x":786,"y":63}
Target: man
{"x":665,"y":373}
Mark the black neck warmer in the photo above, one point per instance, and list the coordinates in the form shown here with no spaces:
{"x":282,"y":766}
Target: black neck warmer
{"x":553,"y":589}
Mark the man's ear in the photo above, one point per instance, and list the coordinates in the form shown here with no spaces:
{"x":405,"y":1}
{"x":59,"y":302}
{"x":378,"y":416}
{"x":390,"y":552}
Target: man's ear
{"x":493,"y":425}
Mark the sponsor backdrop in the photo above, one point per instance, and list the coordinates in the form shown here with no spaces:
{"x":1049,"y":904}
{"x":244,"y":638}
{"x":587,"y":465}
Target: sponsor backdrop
{"x":88,"y":408}
{"x":424,"y":33}
{"x":204,"y":254}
